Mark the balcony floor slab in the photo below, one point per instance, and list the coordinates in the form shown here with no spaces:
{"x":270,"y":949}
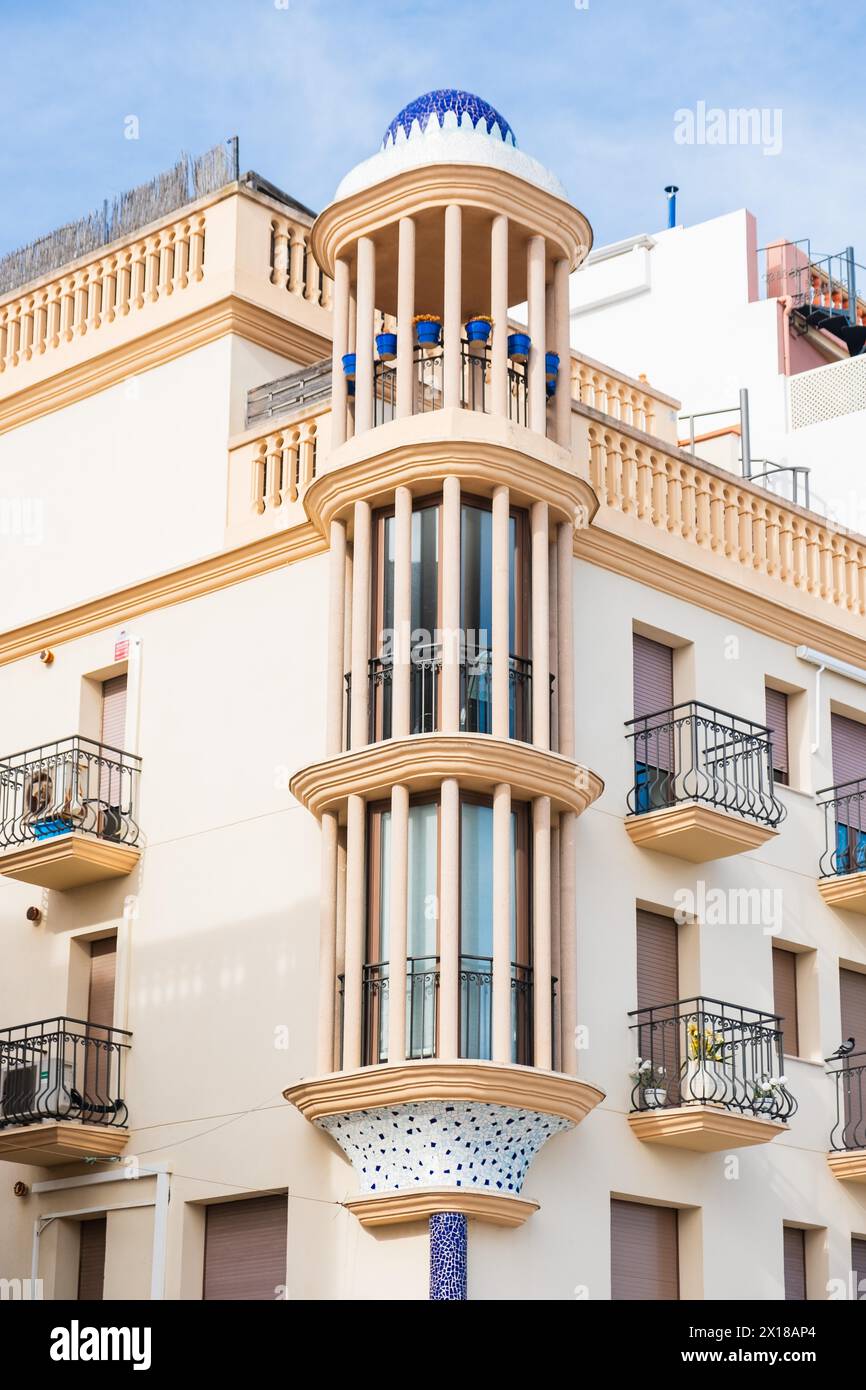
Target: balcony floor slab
{"x":68,"y":861}
{"x":849,"y":1166}
{"x":696,"y":833}
{"x":845,"y":890}
{"x":703,"y":1128}
{"x":56,"y":1142}
{"x":397,"y":1208}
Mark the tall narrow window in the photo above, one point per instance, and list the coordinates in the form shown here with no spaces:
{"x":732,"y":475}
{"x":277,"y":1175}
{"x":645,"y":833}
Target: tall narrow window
{"x":476,"y":618}
{"x":112,"y":735}
{"x":653,"y":670}
{"x":785,"y":998}
{"x":848,"y":738}
{"x":777,"y":723}
{"x":101,"y":1063}
{"x":425,"y":650}
{"x":476,"y":932}
{"x":658,"y":1035}
{"x":91,"y":1259}
{"x":644,"y":1258}
{"x":795,"y":1263}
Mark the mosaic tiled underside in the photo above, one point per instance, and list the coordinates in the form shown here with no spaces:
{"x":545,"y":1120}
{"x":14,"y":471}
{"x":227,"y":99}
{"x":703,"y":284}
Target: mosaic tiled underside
{"x":459,"y":1144}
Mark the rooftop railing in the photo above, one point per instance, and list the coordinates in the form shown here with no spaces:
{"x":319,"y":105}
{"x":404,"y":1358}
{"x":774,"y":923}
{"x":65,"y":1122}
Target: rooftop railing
{"x":63,"y":1069}
{"x":73,"y":784}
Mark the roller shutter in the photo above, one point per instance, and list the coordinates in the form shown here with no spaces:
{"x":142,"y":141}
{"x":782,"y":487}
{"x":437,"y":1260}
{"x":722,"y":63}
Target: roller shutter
{"x":245,"y":1249}
{"x":785,"y":998}
{"x":91,"y":1260}
{"x":643,"y":1251}
{"x":777,"y":723}
{"x":795,"y":1264}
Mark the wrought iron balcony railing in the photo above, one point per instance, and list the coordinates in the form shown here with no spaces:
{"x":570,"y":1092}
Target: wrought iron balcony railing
{"x":695,"y":752}
{"x":422,"y":984}
{"x":427,"y":383}
{"x":63,"y":1069}
{"x":849,"y":1129}
{"x":476,"y":1009}
{"x":844,"y":828}
{"x":72,"y":784}
{"x":705,"y":1052}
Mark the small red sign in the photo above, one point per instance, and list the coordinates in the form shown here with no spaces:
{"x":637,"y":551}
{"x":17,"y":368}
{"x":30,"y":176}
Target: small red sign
{"x":121,"y":649}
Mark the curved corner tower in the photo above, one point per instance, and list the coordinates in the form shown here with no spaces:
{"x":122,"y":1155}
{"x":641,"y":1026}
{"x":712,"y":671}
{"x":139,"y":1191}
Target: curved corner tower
{"x":449,"y":793}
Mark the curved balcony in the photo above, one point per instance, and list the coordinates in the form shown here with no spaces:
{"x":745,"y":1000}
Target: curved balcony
{"x":708,"y":1076}
{"x":433,"y":1136}
{"x":703,"y":786}
{"x":843,"y":863}
{"x":68,"y":813}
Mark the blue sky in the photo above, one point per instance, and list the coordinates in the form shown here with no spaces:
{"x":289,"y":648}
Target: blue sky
{"x":309,"y":86}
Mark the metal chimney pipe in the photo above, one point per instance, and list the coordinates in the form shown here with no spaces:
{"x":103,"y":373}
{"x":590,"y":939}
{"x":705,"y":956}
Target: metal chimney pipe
{"x":672,"y":192}
{"x":852,"y":288}
{"x":745,"y":437}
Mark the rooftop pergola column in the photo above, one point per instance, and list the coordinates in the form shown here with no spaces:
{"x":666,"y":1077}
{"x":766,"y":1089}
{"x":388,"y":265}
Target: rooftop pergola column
{"x":452,"y":302}
{"x":562,"y":342}
{"x":339,"y":385}
{"x":537,"y":395}
{"x":366,"y":305}
{"x":499,"y":314}
{"x":405,"y":314}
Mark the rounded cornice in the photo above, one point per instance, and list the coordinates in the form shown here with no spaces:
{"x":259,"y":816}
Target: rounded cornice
{"x":415,"y":190}
{"x":483,"y":451}
{"x":490,"y":1083}
{"x":422,"y":762}
{"x":398,"y":1208}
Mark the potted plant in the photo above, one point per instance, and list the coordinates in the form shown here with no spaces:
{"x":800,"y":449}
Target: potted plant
{"x":428,"y":329}
{"x":349,"y":366}
{"x":767,"y":1093}
{"x":386,"y":346}
{"x":551,"y":365}
{"x":478,"y":328}
{"x":704,"y":1080}
{"x":518,"y":346}
{"x":652,"y":1081}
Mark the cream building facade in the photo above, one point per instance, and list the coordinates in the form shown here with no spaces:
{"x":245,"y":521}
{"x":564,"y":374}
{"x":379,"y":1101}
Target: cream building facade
{"x":409,"y":746}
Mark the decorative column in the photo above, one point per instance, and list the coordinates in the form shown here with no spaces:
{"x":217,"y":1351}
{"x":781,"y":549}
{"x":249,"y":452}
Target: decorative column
{"x":451,"y":636}
{"x":327,"y":944}
{"x":562,"y":345}
{"x":353,"y":343}
{"x":449,"y":920}
{"x":499,"y":314}
{"x":453,"y":326}
{"x":339,"y":385}
{"x":537,"y":394}
{"x":356,"y":921}
{"x":500,"y":634}
{"x":448,"y":1263}
{"x":336,"y":628}
{"x":502,"y":923}
{"x":541,"y":934}
{"x":397,"y":942}
{"x":405,"y":314}
{"x":568,"y":942}
{"x":360,"y":705}
{"x":565,"y":637}
{"x":400,"y":676}
{"x":540,"y":627}
{"x":364,"y":335}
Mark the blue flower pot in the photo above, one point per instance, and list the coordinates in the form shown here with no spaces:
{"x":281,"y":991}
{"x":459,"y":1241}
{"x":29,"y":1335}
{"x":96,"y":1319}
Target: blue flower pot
{"x":478,"y":330}
{"x":518,"y":346}
{"x":551,"y":365}
{"x":429,"y":334}
{"x":386,"y":346}
{"x":350,"y":384}
{"x":349,"y":365}
{"x":550,"y":387}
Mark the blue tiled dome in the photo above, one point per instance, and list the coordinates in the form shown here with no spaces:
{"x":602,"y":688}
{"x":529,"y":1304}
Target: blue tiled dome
{"x":435,"y":104}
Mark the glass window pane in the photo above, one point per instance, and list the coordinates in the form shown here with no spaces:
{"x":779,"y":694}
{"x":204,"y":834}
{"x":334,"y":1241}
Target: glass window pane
{"x":476,"y":613}
{"x":425,"y":575}
{"x":386,"y":617}
{"x":423,"y":872}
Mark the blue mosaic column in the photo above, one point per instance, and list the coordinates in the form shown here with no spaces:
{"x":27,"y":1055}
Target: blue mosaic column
{"x":448,"y":1241}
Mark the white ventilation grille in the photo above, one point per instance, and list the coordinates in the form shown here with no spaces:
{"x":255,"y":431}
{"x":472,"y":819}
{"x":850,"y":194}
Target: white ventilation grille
{"x":827,"y":392}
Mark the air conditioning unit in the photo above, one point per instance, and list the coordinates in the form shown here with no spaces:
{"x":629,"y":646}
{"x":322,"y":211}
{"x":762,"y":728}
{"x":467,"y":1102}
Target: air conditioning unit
{"x":36,"y":1090}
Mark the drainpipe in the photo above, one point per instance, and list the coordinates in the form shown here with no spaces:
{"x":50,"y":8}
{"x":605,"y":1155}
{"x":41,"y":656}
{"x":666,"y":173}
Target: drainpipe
{"x":827,"y":663}
{"x":852,"y":288}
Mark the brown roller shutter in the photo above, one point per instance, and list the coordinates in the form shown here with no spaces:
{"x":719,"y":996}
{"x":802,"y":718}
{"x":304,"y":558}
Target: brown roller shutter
{"x":795,"y":1264}
{"x":653,"y":676}
{"x":785,"y":998}
{"x":113,"y":730}
{"x":852,"y":993}
{"x":91,"y":1260}
{"x":644,"y":1259}
{"x":858,"y":1263}
{"x":849,"y":749}
{"x":777,"y":722}
{"x":657,"y":960}
{"x":245,"y":1249}
{"x":103,"y":962}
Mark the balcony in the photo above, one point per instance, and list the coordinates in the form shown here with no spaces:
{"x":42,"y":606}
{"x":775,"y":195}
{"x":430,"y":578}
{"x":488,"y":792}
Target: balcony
{"x":847,"y":1157}
{"x":843,"y":863}
{"x":476,"y":694}
{"x":68,"y":813}
{"x":703,"y":783}
{"x":427,"y":388}
{"x":708,"y":1076}
{"x":61,"y":1092}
